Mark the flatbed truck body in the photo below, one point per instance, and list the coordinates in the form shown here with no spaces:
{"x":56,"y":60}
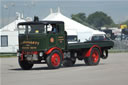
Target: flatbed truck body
{"x":89,"y":44}
{"x":38,"y":44}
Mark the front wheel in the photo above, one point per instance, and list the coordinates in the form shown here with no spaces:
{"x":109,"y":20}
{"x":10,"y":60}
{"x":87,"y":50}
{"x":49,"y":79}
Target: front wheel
{"x":54,"y":59}
{"x":94,"y":58}
{"x":25,"y":65}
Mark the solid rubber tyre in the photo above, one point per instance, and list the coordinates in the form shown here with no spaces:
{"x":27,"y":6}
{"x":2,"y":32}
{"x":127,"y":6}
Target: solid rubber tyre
{"x":25,"y":65}
{"x":94,"y":57}
{"x":54,"y":59}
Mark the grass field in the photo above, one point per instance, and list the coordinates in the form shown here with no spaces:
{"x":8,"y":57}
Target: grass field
{"x":7,"y":55}
{"x":2,"y":55}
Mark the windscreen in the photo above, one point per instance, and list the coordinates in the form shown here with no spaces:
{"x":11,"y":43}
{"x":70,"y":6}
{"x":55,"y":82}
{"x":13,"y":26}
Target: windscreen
{"x":72,"y":38}
{"x":32,"y":29}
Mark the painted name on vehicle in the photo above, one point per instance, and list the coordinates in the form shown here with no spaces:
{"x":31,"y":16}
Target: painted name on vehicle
{"x":29,"y":47}
{"x":31,"y":42}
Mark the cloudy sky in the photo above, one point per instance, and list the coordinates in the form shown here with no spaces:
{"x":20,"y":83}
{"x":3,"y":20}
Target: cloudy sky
{"x":117,"y":9}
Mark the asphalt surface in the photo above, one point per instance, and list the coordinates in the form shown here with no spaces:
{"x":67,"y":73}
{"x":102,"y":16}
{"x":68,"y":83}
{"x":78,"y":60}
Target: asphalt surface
{"x":112,"y":71}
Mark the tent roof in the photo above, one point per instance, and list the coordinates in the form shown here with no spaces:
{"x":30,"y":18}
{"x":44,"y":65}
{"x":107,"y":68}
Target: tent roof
{"x":97,"y":32}
{"x":71,"y":32}
{"x":12,"y":26}
{"x":69,"y":23}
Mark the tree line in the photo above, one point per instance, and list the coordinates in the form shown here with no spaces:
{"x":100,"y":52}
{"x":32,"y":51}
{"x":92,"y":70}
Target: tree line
{"x":95,"y":20}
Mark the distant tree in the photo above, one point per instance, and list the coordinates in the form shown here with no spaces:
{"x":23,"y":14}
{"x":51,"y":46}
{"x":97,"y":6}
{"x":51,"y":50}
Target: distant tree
{"x":125,"y":22}
{"x":99,"y":19}
{"x":80,"y":17}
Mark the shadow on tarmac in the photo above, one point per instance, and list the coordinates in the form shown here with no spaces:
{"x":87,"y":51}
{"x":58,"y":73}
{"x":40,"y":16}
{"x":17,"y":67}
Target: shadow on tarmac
{"x":46,"y":68}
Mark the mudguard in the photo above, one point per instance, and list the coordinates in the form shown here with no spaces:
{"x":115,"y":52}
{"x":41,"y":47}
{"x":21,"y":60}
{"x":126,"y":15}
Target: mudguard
{"x":88,"y":53}
{"x":54,"y":48}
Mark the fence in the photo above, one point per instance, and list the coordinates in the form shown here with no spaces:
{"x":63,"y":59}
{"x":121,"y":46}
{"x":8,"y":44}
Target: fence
{"x":120,"y":45}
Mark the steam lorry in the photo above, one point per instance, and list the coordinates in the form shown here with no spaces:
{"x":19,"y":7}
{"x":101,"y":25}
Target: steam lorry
{"x":39,"y":44}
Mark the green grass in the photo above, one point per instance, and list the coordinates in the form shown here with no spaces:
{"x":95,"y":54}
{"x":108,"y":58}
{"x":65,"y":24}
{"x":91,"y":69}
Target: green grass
{"x":3,"y":55}
{"x":6,"y":55}
{"x":117,"y":51}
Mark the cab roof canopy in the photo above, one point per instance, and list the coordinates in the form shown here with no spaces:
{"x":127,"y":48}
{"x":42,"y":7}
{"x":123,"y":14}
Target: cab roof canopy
{"x":41,"y":22}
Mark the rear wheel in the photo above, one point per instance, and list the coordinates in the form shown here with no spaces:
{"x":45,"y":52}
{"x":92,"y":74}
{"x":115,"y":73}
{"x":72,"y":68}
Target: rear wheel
{"x":94,"y":58}
{"x":54,"y":59}
{"x":69,"y":62}
{"x":25,"y":65}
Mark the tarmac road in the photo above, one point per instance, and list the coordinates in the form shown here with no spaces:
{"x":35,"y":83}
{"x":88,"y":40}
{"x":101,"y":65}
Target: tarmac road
{"x":112,"y":71}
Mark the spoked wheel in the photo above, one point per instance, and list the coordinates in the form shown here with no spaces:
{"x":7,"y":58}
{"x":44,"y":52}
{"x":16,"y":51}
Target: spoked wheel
{"x":54,"y":59}
{"x":94,"y":58}
{"x":25,"y":65}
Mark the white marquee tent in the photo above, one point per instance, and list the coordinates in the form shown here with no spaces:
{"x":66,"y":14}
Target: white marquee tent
{"x":83,"y":32}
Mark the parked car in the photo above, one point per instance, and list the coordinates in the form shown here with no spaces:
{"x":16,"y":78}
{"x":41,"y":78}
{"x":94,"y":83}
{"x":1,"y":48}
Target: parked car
{"x":98,"y":38}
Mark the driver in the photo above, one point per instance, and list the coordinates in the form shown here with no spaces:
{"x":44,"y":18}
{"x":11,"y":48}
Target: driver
{"x":54,"y":29}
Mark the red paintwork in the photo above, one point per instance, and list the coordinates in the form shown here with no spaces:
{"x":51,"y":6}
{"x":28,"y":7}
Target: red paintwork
{"x":51,"y":49}
{"x":55,"y":59}
{"x":35,"y":52}
{"x":88,"y":53}
{"x":22,"y":56}
{"x":95,"y":56}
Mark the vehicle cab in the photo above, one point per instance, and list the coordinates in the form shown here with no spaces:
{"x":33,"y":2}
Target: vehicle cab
{"x":37,"y":37}
{"x":32,"y":35}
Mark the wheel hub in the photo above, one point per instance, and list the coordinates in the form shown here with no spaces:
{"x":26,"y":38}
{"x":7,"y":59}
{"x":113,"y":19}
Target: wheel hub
{"x":95,"y":56}
{"x":55,"y":59}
